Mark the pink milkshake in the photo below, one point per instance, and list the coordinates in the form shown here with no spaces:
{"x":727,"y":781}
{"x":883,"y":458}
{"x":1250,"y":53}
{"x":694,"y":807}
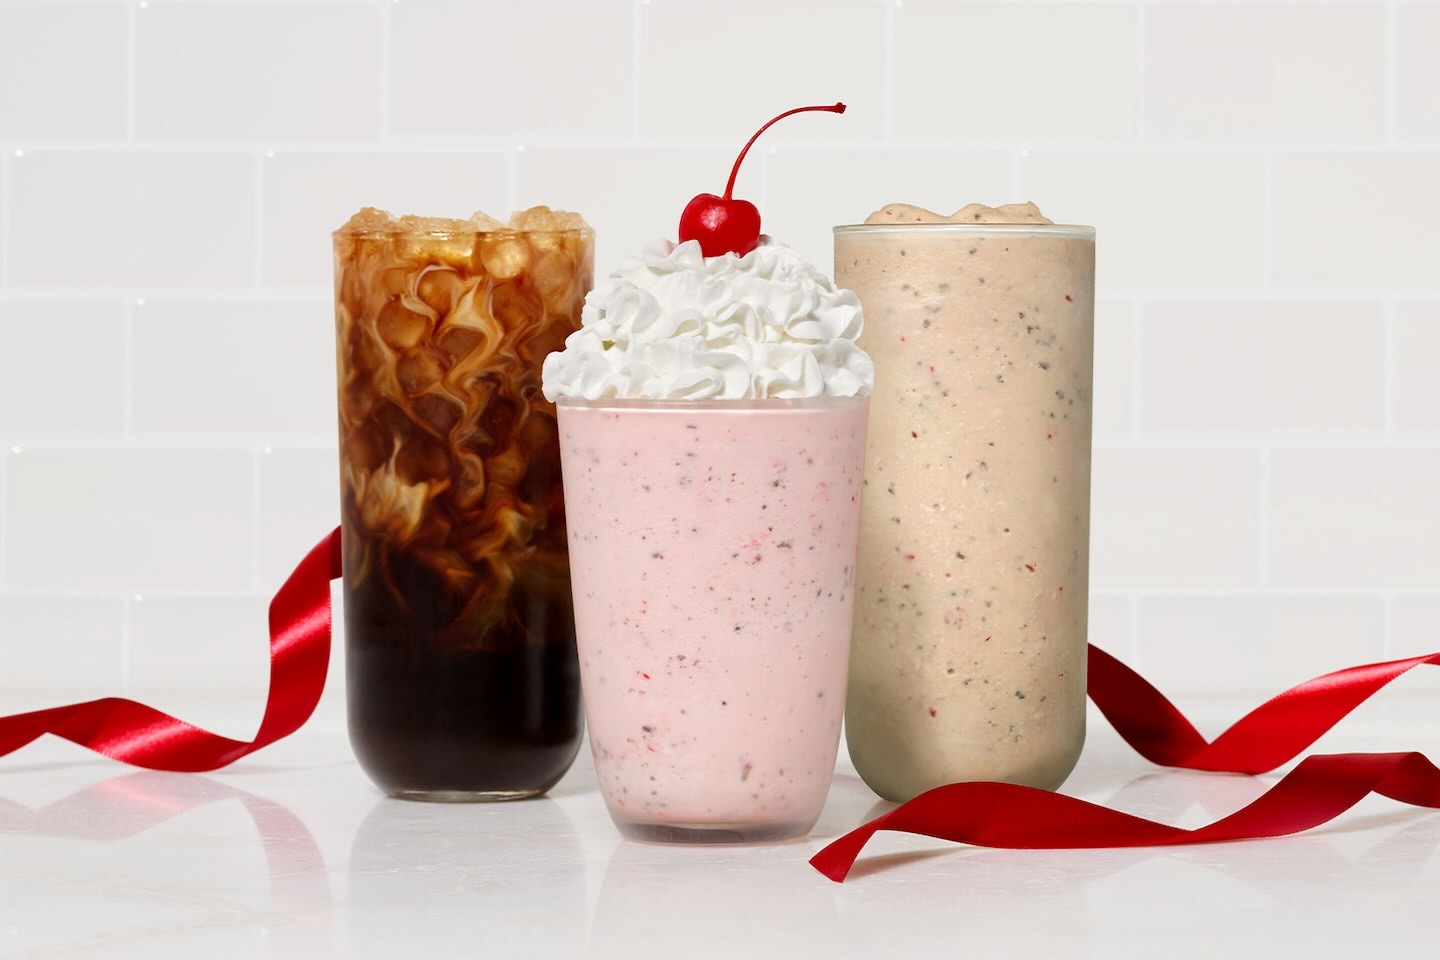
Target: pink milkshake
{"x":712,"y":415}
{"x":713,"y":554}
{"x":712,"y":411}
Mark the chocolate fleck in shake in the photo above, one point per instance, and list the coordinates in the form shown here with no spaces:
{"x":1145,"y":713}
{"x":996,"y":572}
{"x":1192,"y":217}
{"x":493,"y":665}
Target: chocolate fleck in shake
{"x":968,"y":658}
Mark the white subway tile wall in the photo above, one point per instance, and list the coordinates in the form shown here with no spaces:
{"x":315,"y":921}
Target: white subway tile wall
{"x":1252,"y":642}
{"x":236,"y":71}
{"x":60,"y":643}
{"x":1015,"y":73}
{"x":79,"y":94}
{"x":1189,"y":347}
{"x":103,"y":219}
{"x":208,"y":371}
{"x":1393,"y":200}
{"x":1414,"y":624}
{"x":1417,"y":91}
{"x":129,"y":518}
{"x":1276,"y":72}
{"x":1172,"y":517}
{"x":1355,"y":517}
{"x":498,"y":71}
{"x":1416,"y":384}
{"x":703,"y":68}
{"x":1264,"y":177}
{"x":1116,"y":335}
{"x":62,"y":370}
{"x":299,"y":504}
{"x":175,"y":641}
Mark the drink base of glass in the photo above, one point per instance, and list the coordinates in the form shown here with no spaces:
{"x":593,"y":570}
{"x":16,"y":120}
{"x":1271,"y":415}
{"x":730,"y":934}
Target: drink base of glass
{"x":465,"y":796}
{"x":649,"y":831}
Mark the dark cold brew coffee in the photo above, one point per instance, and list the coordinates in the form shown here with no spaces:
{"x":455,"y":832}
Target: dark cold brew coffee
{"x":462,"y":681}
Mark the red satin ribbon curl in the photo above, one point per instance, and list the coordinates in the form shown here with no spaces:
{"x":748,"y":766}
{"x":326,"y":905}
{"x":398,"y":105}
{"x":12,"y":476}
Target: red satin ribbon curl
{"x":145,"y":737}
{"x":1320,"y":787}
{"x":983,"y":813}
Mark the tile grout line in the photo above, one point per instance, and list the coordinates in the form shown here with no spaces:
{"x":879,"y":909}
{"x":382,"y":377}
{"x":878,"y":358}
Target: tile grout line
{"x":127,"y":372}
{"x":1133,"y":647}
{"x":131,"y":69}
{"x":1267,"y":220}
{"x":1263,"y":516}
{"x":763,"y":199}
{"x":127,"y":604}
{"x":256,"y":458}
{"x":887,"y":79}
{"x":257,"y":216}
{"x":1387,"y":337}
{"x":1197,"y":444}
{"x":214,"y":145}
{"x":5,"y":456}
{"x":317,"y":294}
{"x":1142,"y":120}
{"x":1137,"y":371}
{"x":1392,"y":79}
{"x":1363,"y":591}
{"x":5,"y":239}
{"x":636,"y":36}
{"x":1387,"y":619}
{"x":244,"y":444}
{"x":383,"y":72}
{"x":512,"y":176}
{"x":422,"y":144}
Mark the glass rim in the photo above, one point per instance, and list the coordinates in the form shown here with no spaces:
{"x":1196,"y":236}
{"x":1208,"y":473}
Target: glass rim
{"x":392,"y":233}
{"x":675,"y":405}
{"x":1076,"y":230}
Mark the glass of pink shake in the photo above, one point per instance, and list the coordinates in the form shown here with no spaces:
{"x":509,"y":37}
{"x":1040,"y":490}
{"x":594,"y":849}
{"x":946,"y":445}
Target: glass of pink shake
{"x":712,"y":415}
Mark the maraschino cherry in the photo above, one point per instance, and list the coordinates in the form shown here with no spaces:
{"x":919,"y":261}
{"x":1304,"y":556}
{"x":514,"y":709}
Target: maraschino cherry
{"x":724,"y":224}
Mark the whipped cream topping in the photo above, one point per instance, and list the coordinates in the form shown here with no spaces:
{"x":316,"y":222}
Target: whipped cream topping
{"x":674,"y":324}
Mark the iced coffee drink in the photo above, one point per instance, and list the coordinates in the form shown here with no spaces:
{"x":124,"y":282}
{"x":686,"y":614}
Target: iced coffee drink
{"x":712,"y":430}
{"x":462,"y":679}
{"x":970,"y":618}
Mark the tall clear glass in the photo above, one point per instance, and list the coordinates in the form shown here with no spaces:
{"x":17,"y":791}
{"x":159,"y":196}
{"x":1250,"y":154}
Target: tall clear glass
{"x":462,"y":681}
{"x":971,"y":605}
{"x":713,"y":546}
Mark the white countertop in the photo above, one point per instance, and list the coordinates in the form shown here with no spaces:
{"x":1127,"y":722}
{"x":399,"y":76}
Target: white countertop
{"x":292,"y":853}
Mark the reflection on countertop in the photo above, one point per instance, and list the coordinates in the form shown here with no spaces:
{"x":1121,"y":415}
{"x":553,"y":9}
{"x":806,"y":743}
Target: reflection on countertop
{"x":293,"y":853}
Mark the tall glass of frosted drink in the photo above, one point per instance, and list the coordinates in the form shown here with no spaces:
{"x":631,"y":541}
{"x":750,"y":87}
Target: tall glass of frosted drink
{"x":462,"y":682}
{"x":969,"y":650}
{"x":713,"y":545}
{"x":712,"y":431}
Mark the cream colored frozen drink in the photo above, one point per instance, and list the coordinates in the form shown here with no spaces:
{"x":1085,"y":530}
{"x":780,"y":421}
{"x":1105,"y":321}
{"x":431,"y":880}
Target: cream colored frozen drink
{"x":712,"y":415}
{"x":968,"y":659}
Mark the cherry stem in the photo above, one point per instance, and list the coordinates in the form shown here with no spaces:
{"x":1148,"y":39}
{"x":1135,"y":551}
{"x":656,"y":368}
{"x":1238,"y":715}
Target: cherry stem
{"x":735,"y":170}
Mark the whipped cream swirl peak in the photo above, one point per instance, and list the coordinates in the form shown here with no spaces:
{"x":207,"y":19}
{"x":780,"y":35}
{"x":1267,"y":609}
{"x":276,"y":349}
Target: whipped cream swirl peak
{"x":674,"y":324}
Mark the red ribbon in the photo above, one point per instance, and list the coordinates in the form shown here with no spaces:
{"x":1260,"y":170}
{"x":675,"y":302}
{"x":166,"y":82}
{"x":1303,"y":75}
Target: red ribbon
{"x":1320,"y":787}
{"x":984,"y":813}
{"x":145,"y":737}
